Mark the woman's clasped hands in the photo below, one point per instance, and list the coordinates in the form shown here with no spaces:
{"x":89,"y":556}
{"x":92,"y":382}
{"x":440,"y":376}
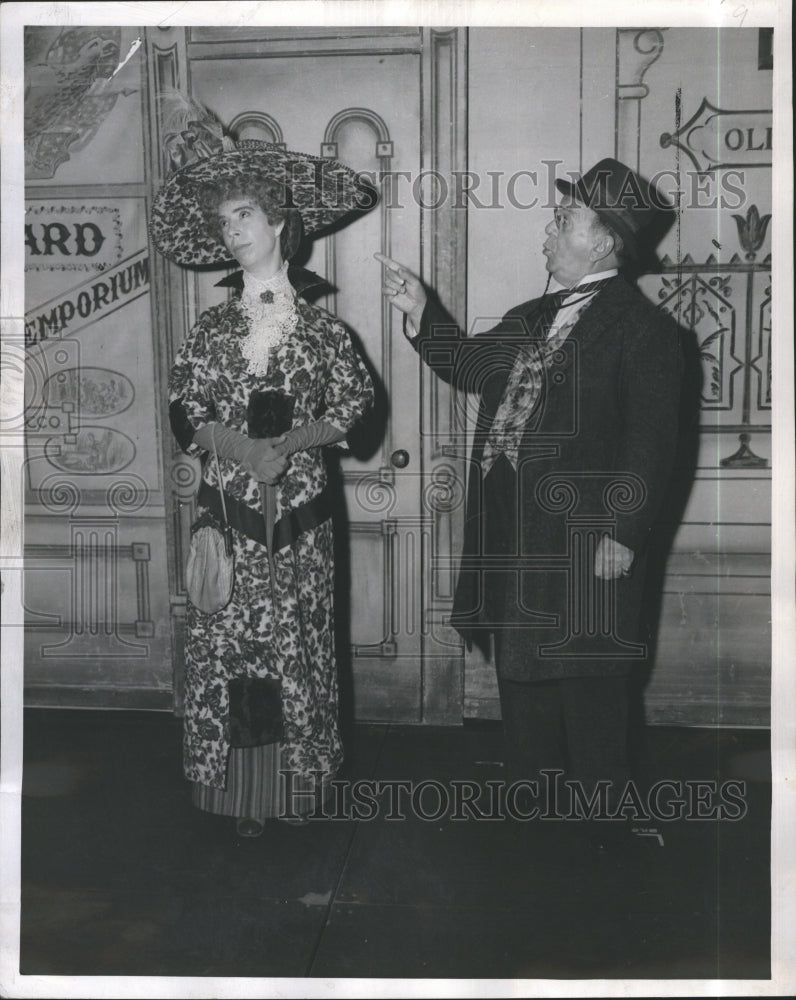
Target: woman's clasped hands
{"x":267,"y":459}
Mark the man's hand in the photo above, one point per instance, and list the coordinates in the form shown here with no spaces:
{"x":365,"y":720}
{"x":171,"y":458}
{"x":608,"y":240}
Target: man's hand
{"x":404,"y":288}
{"x":612,"y":559}
{"x":266,"y":459}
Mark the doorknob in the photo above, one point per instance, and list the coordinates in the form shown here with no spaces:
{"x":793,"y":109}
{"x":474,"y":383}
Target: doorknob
{"x":400,"y":458}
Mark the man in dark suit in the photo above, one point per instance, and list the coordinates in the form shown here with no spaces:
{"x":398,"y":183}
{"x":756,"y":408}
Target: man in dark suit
{"x":573,"y":446}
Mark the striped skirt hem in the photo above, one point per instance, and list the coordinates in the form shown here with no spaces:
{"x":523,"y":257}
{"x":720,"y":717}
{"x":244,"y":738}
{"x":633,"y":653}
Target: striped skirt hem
{"x":256,"y":789}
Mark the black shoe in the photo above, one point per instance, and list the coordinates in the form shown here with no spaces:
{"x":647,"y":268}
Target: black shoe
{"x":301,"y":820}
{"x":246,"y":826}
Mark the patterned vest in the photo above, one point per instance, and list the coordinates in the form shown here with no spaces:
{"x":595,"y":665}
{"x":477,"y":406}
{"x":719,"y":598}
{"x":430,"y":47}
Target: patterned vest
{"x":524,"y":384}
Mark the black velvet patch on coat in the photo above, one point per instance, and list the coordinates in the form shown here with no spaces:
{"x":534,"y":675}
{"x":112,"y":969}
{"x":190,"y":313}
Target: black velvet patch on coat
{"x":269,"y":413}
{"x":255,"y":711}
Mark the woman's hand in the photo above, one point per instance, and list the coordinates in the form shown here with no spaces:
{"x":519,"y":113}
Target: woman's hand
{"x":267,"y":460}
{"x":404,"y":288}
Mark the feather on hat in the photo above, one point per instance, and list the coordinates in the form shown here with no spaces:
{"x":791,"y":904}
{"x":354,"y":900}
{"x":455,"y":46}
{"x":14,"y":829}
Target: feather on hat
{"x":199,"y":152}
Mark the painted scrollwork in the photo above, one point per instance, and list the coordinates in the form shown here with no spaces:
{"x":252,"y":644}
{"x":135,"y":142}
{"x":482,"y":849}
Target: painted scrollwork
{"x":704,"y":307}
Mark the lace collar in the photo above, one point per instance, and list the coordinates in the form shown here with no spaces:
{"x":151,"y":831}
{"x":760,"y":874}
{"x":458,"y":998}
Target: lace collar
{"x":271,"y":315}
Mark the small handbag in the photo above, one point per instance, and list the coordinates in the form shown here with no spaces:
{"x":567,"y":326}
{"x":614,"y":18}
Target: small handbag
{"x":255,"y":711}
{"x":210,"y":570}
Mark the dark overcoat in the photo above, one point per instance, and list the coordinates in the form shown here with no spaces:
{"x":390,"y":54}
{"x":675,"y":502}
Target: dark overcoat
{"x":594,"y":459}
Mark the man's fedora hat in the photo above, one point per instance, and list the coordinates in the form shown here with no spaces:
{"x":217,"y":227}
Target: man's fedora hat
{"x":625,"y":202}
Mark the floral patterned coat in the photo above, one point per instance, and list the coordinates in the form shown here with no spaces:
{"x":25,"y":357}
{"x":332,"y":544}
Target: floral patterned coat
{"x":284,"y":630}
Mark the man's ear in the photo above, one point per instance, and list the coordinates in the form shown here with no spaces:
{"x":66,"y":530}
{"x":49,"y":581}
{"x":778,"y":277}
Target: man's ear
{"x":603,"y":246}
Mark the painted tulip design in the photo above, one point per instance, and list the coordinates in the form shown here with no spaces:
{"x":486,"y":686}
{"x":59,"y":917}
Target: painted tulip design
{"x":752,"y":230}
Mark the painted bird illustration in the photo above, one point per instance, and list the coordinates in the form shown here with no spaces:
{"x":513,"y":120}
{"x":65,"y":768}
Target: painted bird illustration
{"x":66,"y":93}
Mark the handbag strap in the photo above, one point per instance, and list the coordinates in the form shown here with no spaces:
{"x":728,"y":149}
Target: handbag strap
{"x":218,"y":473}
{"x":227,"y":529}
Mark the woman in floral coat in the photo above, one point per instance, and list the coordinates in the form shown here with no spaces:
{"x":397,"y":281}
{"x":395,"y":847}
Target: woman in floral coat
{"x":268,"y":379}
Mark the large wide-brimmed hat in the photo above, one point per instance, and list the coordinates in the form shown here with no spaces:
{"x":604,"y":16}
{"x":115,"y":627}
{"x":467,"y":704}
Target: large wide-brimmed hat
{"x":627,"y":204}
{"x":321,"y":190}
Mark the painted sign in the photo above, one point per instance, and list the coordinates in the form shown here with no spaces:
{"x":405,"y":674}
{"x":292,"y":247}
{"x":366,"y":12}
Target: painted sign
{"x":72,"y":237}
{"x":715,"y":139}
{"x":82,"y":305}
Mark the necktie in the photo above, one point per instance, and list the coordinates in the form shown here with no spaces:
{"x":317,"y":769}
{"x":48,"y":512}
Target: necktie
{"x":524,"y":384}
{"x":549,"y":305}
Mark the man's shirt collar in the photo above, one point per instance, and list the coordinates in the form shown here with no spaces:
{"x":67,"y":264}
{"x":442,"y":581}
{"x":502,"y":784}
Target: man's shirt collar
{"x":587,"y":279}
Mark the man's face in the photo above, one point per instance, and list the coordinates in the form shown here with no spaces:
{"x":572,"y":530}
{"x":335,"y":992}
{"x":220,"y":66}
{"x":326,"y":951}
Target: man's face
{"x":570,"y":244}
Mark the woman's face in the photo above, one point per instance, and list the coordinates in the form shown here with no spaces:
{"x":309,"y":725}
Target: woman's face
{"x":250,"y":237}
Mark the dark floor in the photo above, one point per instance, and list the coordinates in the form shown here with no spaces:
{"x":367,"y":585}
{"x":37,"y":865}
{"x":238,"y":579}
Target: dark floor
{"x":122,"y":876}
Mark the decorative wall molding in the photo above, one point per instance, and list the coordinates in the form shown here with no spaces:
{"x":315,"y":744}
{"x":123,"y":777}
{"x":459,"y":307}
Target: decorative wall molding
{"x":119,"y":695}
{"x":275,"y":42}
{"x":384,"y":146}
{"x":383,"y":152}
{"x":636,"y":50}
{"x":263,"y":122}
{"x":443,"y":263}
{"x":744,"y":457}
{"x":386,"y":647}
{"x":763,"y":355}
{"x":94,"y":630}
{"x":173,"y":294}
{"x":444,"y":496}
{"x":711,"y":265}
